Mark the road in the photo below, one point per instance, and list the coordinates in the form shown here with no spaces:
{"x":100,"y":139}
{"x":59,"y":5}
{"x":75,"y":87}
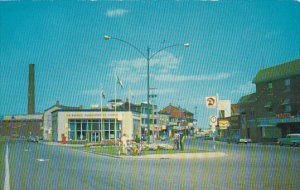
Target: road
{"x":251,"y":166}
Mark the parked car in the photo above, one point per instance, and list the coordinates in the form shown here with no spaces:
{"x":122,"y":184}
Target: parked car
{"x":32,"y":139}
{"x":238,"y":140}
{"x":290,"y":139}
{"x":245,"y":140}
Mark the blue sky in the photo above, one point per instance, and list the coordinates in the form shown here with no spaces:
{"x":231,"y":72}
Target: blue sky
{"x":229,"y":43}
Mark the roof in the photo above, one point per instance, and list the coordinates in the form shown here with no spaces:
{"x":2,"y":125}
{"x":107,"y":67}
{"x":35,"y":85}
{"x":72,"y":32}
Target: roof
{"x":281,"y":71}
{"x":250,"y":98}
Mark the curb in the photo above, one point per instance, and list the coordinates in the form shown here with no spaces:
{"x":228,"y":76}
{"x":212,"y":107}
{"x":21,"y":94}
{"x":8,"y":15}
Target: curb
{"x":176,"y":156}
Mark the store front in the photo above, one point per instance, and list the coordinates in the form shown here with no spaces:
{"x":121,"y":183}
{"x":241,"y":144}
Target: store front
{"x":93,"y":126}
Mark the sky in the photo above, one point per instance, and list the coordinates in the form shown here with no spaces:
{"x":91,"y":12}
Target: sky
{"x":229,"y":43}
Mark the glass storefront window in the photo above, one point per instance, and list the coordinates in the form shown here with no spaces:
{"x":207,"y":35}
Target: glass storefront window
{"x":72,"y":136}
{"x":95,"y":126}
{"x":78,"y":126}
{"x":106,"y":135}
{"x":112,"y":126}
{"x":84,"y":126}
{"x":72,"y":126}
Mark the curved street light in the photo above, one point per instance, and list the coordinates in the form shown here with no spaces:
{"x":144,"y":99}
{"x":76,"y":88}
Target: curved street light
{"x":148,"y":57}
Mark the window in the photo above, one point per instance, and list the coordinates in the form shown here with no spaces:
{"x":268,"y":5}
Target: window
{"x":252,"y":111}
{"x":287,"y":84}
{"x":287,"y":108}
{"x":270,"y":86}
{"x":269,"y":107}
{"x":222,"y":113}
{"x":286,"y":104}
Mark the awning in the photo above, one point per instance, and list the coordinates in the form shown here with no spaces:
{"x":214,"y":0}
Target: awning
{"x":268,"y":105}
{"x":286,"y":101}
{"x":266,"y":125}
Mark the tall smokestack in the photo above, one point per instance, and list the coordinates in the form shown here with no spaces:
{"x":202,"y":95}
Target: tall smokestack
{"x":31,"y":90}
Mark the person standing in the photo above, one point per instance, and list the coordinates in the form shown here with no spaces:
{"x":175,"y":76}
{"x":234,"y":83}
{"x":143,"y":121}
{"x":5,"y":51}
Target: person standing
{"x":124,"y":144}
{"x":176,"y":140}
{"x":181,"y":139}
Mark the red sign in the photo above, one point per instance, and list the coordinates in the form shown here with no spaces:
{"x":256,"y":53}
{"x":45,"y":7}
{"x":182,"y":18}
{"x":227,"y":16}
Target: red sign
{"x":283,"y":115}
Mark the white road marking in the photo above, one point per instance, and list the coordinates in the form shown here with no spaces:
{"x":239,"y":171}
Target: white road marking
{"x":6,"y":180}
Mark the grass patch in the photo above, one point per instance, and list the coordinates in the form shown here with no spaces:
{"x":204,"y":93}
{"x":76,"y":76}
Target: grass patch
{"x":189,"y":150}
{"x":114,"y":150}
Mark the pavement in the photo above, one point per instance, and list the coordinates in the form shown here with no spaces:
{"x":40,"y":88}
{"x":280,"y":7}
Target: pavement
{"x":63,"y":145}
{"x":200,"y":155}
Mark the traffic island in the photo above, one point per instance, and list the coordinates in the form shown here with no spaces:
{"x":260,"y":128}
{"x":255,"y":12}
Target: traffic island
{"x":154,"y":151}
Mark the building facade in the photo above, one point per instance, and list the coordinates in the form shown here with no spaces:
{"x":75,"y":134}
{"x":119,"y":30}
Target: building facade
{"x":17,"y":126}
{"x":94,"y":126}
{"x":179,"y":118}
{"x":278,"y":101}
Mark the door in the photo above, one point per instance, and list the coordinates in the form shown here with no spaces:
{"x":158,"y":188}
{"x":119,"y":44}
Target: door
{"x":94,"y":137}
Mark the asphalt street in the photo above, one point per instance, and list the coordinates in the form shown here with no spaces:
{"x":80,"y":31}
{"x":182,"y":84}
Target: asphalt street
{"x":251,"y":166}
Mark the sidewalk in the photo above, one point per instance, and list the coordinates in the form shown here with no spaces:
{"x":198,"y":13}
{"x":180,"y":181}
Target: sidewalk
{"x":60,"y":144}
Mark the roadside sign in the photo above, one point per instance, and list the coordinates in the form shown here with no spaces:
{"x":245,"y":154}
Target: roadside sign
{"x":211,"y":101}
{"x":213,"y":120}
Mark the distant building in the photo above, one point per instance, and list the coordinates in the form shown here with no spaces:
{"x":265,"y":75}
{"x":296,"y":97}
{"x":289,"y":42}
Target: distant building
{"x":247,"y":121}
{"x":234,"y":122}
{"x":22,"y":125}
{"x":224,"y":114}
{"x":179,"y":118}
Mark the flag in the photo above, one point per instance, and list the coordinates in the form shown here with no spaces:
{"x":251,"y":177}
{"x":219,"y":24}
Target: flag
{"x":120,"y":82}
{"x":211,"y":102}
{"x":102,"y":94}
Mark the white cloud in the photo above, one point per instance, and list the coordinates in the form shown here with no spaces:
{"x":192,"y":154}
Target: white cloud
{"x":180,"y":78}
{"x":135,"y":70}
{"x":162,"y":68}
{"x":116,"y":12}
{"x":244,"y":89}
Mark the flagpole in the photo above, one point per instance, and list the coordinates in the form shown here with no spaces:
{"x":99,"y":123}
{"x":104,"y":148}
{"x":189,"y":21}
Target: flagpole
{"x":101,"y":117}
{"x":217,"y":101}
{"x":129,"y":94}
{"x":115,"y":105}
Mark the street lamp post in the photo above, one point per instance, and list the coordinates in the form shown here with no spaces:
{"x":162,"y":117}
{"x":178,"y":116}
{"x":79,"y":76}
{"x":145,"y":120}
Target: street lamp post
{"x":148,"y":57}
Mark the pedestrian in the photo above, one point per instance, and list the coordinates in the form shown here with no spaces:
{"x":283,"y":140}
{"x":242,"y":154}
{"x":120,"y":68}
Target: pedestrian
{"x":137,"y":138}
{"x":176,"y":141}
{"x":124,"y":144}
{"x":181,"y":139}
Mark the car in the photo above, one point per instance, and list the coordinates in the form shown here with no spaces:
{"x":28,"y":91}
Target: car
{"x":238,"y":140}
{"x":245,"y":140}
{"x":290,"y":139}
{"x":32,"y":139}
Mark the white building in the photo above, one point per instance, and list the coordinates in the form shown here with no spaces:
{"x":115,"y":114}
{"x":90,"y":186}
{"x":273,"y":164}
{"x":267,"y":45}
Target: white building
{"x":224,"y":108}
{"x":94,"y":125}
